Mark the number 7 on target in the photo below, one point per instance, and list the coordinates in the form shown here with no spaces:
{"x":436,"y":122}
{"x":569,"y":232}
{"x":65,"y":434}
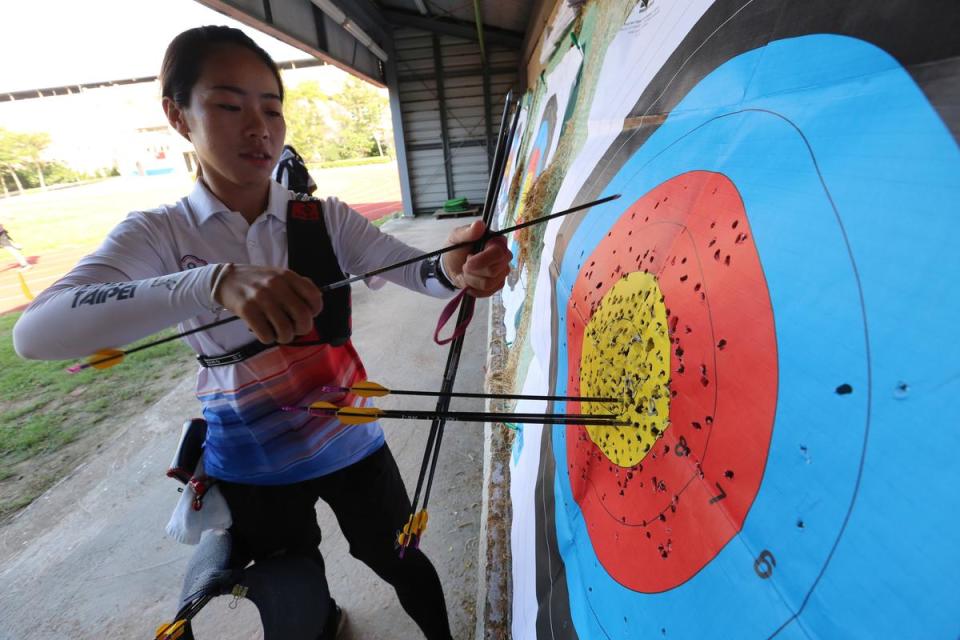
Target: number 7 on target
{"x":721,"y":496}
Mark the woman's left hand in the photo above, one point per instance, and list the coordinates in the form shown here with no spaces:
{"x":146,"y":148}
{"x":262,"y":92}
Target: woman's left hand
{"x":481,"y":274}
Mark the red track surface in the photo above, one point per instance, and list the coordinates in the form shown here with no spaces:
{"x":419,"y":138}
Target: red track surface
{"x":44,"y":272}
{"x":376,"y":210}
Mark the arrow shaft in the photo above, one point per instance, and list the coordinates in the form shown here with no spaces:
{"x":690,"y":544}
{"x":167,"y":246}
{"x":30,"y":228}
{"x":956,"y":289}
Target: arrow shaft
{"x":501,"y":396}
{"x":466,"y":394}
{"x":478,"y":244}
{"x":460,"y":245}
{"x":428,"y":466}
{"x":522,"y":418}
{"x":473,"y":416}
{"x":182,"y":334}
{"x":457,"y":416}
{"x":158,"y":342}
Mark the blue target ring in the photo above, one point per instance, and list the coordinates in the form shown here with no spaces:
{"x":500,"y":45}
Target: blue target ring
{"x":853,"y":214}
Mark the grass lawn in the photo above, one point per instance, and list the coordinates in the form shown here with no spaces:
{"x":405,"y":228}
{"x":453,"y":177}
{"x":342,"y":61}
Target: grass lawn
{"x":50,"y":419}
{"x":80,"y":217}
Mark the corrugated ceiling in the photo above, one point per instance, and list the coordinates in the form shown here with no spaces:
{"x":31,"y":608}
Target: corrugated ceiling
{"x":512,"y":15}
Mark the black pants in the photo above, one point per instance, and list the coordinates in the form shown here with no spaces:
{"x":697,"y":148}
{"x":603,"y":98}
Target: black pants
{"x":371,"y":505}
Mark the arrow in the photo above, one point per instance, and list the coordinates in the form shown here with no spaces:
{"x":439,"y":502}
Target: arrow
{"x":369,"y":389}
{"x":416,"y":525}
{"x":176,"y":629}
{"x":469,"y":243}
{"x":365,"y":415}
{"x":107,"y":358}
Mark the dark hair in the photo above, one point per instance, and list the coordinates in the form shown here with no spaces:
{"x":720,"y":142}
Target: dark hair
{"x":187,"y":52}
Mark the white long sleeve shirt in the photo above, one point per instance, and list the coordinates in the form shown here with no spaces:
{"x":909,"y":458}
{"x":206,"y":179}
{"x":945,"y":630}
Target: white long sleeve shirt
{"x":156,"y":269}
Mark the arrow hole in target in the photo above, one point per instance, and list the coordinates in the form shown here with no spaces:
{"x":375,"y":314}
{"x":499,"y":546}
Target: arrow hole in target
{"x":650,"y":335}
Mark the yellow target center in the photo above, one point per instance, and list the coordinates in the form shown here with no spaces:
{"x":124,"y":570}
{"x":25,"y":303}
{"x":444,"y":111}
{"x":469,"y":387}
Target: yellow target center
{"x":626,"y":355}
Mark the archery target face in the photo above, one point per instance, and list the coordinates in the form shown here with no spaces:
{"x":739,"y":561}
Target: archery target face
{"x":504,"y":195}
{"x":537,"y":160}
{"x":515,"y":292}
{"x":644,"y":326}
{"x":755,"y":218}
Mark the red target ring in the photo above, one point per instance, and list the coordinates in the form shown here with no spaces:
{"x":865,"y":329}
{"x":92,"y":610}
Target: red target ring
{"x":655,"y":524}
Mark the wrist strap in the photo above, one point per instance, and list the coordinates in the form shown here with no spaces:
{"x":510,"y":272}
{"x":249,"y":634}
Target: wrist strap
{"x":445,"y":316}
{"x":443,"y":277}
{"x":217,"y":279}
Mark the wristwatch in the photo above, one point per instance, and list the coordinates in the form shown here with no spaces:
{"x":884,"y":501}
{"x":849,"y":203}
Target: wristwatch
{"x":433,"y":268}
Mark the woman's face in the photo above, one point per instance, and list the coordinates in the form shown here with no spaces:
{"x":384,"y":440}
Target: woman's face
{"x":235,"y":119}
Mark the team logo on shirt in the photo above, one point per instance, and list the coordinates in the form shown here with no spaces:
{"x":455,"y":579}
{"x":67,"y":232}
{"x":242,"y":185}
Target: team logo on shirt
{"x":98,"y":294}
{"x":192,"y":262}
{"x":301,"y":210}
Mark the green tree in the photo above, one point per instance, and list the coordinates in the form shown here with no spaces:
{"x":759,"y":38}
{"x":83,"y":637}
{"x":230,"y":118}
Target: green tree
{"x":360,"y":119}
{"x":21,"y":150}
{"x":32,"y":146}
{"x":9,"y":159}
{"x":307,"y":129}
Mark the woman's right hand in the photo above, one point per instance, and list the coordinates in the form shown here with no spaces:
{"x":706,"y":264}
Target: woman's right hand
{"x":277,"y":304}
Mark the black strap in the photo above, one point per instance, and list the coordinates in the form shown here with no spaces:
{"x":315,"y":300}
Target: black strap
{"x":238,"y":355}
{"x":309,"y":253}
{"x":431,"y":269}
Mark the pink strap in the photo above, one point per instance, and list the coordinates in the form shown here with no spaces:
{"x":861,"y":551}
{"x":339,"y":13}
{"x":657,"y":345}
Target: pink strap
{"x":447,"y":314}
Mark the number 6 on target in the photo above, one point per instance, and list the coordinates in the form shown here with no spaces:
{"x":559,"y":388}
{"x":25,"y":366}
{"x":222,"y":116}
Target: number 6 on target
{"x":764,"y":564}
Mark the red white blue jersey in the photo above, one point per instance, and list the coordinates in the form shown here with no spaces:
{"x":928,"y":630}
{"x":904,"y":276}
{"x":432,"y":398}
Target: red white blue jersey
{"x":156,"y":269}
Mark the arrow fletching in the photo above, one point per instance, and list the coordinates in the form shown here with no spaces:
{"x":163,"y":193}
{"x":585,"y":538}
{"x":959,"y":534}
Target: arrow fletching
{"x":100,"y":360}
{"x":415,"y":526}
{"x":364,"y":389}
{"x":368,"y":389}
{"x":346,"y":415}
{"x":358,"y":415}
{"x":171,"y":630}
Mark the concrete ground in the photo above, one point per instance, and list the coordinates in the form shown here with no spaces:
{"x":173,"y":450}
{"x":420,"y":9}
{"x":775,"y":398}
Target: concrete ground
{"x":90,"y":558}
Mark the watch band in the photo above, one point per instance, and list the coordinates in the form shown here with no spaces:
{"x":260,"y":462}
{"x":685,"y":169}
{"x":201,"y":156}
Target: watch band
{"x":433,"y":268}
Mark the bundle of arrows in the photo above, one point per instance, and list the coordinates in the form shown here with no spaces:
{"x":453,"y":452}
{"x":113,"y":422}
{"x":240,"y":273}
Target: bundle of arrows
{"x":417,"y":522}
{"x":370,"y":389}
{"x":363,"y":415}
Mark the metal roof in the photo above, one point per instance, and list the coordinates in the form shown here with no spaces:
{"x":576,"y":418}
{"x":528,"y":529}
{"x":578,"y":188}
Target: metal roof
{"x":357,"y":35}
{"x":509,"y":15}
{"x":448,"y":65}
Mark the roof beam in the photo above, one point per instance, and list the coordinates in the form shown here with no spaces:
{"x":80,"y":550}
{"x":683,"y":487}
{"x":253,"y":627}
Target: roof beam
{"x":369,"y":16}
{"x":455,"y":28}
{"x":287,"y":20}
{"x":71,"y":89}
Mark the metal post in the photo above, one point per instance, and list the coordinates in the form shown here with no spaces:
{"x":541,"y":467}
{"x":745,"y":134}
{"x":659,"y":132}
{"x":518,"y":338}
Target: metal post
{"x":444,"y":133}
{"x":486,"y":113}
{"x":399,"y":143}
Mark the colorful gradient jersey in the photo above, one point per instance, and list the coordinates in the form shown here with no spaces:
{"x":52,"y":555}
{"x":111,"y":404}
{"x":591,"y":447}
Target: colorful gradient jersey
{"x":162,"y":262}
